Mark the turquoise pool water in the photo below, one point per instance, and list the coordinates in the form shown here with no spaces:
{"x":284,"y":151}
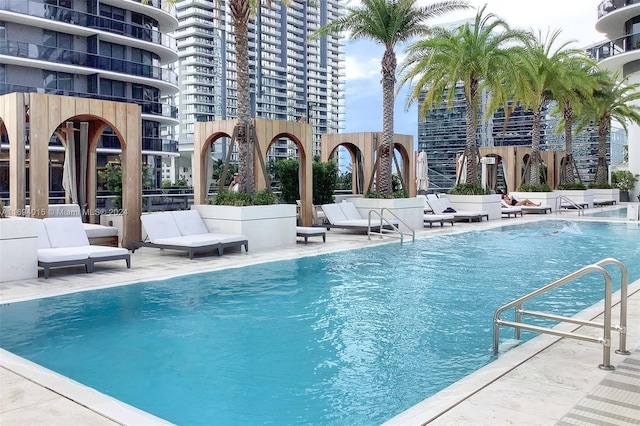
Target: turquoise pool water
{"x":351,"y":338}
{"x":615,"y":213}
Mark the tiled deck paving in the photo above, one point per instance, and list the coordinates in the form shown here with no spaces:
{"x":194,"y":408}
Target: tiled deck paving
{"x":558,"y":383}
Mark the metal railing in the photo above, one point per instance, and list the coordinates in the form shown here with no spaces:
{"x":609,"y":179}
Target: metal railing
{"x":605,"y":340}
{"x":572,"y":204}
{"x":392,"y":228}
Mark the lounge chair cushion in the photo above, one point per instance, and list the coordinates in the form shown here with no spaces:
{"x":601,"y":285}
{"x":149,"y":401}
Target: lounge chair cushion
{"x":96,"y":252}
{"x":65,"y":232}
{"x":334,"y":213}
{"x":97,"y":231}
{"x":350,"y":211}
{"x":189,"y":222}
{"x":160,"y":226}
{"x":200,"y":240}
{"x":41,"y":233}
{"x":53,"y":255}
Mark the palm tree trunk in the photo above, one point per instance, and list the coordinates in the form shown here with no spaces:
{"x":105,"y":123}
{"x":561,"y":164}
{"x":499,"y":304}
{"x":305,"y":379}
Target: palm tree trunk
{"x":470,"y":150}
{"x":568,"y":176}
{"x":386,"y":149}
{"x":601,"y":168}
{"x":534,"y":171}
{"x":240,"y":13}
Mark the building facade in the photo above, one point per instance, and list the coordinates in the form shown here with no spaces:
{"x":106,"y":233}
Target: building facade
{"x":293,"y":77}
{"x":110,"y":50}
{"x":619,"y":20}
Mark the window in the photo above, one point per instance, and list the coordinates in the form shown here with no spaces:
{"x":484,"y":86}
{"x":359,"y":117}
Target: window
{"x":57,"y":81}
{"x":112,"y":88}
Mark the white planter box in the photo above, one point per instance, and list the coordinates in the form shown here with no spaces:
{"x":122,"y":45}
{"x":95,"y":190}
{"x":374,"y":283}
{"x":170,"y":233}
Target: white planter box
{"x":18,"y":249}
{"x":265,"y":227}
{"x":546,"y":198}
{"x":408,"y":210}
{"x":576,"y":195}
{"x":489,"y":203}
{"x":606,"y":194}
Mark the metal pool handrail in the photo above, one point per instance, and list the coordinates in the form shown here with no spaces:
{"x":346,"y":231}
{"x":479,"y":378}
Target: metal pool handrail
{"x":605,"y":340}
{"x":575,"y":205}
{"x":380,"y":214}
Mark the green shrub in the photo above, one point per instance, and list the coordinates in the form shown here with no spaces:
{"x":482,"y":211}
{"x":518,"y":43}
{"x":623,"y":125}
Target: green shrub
{"x":527,"y":187}
{"x":469,"y":189}
{"x":287,"y":172}
{"x":572,"y":186}
{"x":624,"y":180}
{"x":594,"y":185}
{"x":325,"y":181}
{"x":239,"y":199}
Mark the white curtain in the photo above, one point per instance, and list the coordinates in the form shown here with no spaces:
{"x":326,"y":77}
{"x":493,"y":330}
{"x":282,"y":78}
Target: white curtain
{"x":422,"y":171}
{"x":84,"y":159}
{"x":462,"y":170}
{"x":69,"y":181}
{"x":207,"y":170}
{"x":506,"y":177}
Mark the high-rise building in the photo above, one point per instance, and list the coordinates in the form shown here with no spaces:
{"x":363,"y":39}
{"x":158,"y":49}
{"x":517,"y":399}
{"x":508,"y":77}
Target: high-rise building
{"x":293,"y":78}
{"x":109,"y":50}
{"x":619,"y":20}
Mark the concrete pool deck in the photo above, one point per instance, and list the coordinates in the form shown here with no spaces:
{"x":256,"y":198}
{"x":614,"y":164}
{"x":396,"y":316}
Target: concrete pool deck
{"x":545,"y":381}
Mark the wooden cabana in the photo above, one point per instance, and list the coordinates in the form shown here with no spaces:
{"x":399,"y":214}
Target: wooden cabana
{"x":39,"y":116}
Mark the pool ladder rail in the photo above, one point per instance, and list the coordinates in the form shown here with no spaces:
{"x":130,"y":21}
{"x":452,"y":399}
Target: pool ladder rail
{"x":571,"y":205}
{"x":605,"y":340}
{"x":391,"y":228}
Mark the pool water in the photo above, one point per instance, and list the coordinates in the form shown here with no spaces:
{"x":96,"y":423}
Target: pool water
{"x":350,"y":338}
{"x":608,"y":213}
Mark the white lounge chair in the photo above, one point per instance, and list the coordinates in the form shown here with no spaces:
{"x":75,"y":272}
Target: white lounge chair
{"x":184,"y":230}
{"x":510,"y":210}
{"x":431,"y":217}
{"x":346,"y":215}
{"x":62,"y":241}
{"x":442,"y":206}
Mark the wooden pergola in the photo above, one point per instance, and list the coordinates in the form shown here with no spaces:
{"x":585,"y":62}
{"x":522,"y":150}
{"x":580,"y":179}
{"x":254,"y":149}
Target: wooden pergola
{"x":365,"y":146}
{"x":40,"y":116}
{"x":265,"y":133}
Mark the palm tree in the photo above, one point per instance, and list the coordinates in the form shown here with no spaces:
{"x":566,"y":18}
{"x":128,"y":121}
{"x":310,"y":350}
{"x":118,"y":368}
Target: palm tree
{"x":538,"y":74}
{"x":388,"y":22}
{"x":612,"y":100}
{"x":575,"y":86}
{"x":477,"y":56}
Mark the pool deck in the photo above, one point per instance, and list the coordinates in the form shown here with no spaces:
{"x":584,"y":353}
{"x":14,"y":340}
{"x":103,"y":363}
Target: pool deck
{"x":546,"y":381}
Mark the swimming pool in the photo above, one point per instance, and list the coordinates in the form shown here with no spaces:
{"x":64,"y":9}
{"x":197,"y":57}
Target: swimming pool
{"x":355,"y":346}
{"x":620,"y":213}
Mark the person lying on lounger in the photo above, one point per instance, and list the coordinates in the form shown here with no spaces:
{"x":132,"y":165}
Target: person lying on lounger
{"x":514,"y":202}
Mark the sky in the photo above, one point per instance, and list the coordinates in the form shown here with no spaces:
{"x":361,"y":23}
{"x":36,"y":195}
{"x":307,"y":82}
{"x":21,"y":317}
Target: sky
{"x":363,"y":91}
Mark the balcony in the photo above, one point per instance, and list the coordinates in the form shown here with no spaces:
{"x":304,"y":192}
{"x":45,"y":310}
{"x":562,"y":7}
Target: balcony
{"x":72,"y":17}
{"x":159,"y":109}
{"x":614,"y":54}
{"x":51,"y":54}
{"x":613,"y":14}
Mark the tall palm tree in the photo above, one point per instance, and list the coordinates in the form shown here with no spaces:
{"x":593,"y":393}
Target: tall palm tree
{"x":388,"y":22}
{"x":575,"y":86}
{"x":536,"y":76}
{"x":478,"y":56}
{"x":613,"y":100}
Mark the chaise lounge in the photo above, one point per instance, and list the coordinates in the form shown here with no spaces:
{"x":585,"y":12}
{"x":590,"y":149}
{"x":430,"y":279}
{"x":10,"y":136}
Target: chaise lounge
{"x":432,"y":217}
{"x":346,"y":215}
{"x":62,"y":241}
{"x":442,"y":206}
{"x":184,"y":230}
{"x":508,"y":210}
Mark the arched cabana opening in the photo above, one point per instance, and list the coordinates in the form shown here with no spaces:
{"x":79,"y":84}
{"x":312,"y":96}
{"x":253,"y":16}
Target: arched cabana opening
{"x":48,"y":115}
{"x":368,"y":144}
{"x":265,"y":133}
{"x":357,"y":166}
{"x":511,"y":166}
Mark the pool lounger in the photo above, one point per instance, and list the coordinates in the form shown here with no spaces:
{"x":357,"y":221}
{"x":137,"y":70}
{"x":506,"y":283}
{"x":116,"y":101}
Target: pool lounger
{"x":62,"y":241}
{"x":603,"y":202}
{"x":435,"y":218}
{"x":439,"y":205}
{"x":543,"y":209}
{"x":346,"y":215}
{"x":184,"y":230}
{"x":511,"y":210}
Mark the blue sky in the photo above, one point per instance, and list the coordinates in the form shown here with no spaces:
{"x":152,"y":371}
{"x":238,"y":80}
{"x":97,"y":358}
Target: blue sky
{"x":363,"y":100}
